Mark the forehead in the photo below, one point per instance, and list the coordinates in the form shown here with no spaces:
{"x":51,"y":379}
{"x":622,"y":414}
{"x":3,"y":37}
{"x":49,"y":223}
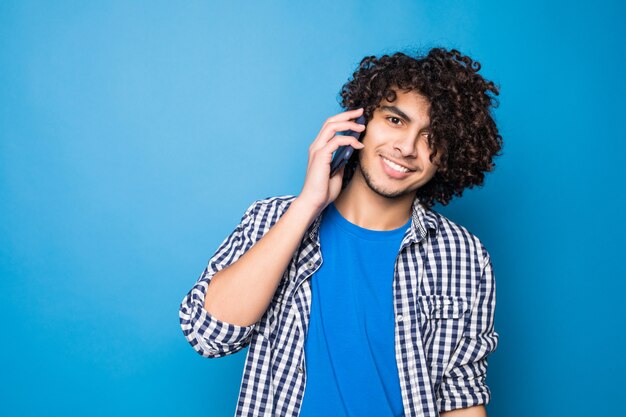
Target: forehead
{"x":409,"y":98}
{"x":411,"y":103}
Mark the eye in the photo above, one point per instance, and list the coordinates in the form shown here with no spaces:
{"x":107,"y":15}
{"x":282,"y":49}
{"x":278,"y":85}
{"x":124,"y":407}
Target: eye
{"x":394,"y":118}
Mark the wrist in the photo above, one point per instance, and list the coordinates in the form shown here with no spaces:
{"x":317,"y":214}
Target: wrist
{"x":306,"y":208}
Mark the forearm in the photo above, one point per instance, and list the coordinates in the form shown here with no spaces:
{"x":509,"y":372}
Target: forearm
{"x":241,"y":293}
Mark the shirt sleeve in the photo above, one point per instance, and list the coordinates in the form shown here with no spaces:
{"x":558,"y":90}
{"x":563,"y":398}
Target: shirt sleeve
{"x":209,"y":336}
{"x":463,"y":383}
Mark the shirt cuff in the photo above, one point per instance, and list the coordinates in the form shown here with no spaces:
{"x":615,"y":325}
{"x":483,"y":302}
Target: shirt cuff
{"x":208,"y":335}
{"x":466,"y":388}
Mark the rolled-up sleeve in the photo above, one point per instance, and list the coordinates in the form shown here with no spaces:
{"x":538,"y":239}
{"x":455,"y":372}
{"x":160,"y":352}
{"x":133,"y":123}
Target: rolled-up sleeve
{"x":209,"y":336}
{"x":463,"y":383}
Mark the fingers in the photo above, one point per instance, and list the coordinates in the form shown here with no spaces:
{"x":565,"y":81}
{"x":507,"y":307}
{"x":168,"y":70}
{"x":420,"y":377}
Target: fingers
{"x":324,"y":154}
{"x":331,"y":128}
{"x":346,"y":115}
{"x":319,"y":188}
{"x":341,"y":140}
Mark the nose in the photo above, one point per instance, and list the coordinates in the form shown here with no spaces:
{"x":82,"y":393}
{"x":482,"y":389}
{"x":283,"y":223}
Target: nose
{"x":406,"y":144}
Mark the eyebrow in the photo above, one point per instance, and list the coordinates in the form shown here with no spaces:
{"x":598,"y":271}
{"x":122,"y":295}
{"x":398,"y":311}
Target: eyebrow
{"x":397,"y":111}
{"x":400,"y":113}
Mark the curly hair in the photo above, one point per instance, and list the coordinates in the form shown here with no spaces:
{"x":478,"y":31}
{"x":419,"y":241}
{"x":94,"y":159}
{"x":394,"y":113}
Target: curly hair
{"x":462,"y":128}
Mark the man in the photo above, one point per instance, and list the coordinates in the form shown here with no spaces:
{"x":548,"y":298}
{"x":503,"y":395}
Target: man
{"x":355,"y":297}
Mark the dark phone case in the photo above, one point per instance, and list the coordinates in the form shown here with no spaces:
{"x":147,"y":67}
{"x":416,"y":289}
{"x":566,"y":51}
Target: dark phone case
{"x":343,"y":153}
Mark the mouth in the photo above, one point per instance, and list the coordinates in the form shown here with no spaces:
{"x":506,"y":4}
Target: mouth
{"x":394,"y":170}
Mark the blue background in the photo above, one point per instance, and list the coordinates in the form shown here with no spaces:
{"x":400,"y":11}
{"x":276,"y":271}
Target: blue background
{"x":133,"y":135}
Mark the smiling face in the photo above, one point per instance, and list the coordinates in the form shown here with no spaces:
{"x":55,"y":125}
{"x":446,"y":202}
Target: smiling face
{"x":396,"y":159}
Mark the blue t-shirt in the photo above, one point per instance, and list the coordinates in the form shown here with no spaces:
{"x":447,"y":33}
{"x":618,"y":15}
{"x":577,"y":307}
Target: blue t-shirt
{"x":350,"y":354}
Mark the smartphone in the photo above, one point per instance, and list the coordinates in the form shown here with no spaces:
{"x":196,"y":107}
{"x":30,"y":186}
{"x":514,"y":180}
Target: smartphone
{"x":343,"y":153}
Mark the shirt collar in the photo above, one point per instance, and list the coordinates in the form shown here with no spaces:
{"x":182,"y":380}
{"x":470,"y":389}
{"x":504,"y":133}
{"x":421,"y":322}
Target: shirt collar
{"x":423,"y":219}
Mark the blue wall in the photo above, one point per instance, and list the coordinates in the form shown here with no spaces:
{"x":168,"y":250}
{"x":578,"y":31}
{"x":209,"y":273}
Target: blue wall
{"x":119,"y":122}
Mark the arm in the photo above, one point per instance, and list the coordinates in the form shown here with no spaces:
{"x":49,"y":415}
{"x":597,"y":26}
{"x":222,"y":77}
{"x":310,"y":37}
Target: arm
{"x":242,"y":292}
{"x":244,"y":274}
{"x":463,"y":384}
{"x":234,"y":291}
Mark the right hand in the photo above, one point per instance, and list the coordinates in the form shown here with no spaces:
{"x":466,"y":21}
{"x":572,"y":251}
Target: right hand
{"x":319,"y":189}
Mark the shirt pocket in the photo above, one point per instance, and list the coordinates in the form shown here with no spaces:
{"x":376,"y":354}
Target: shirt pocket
{"x":442,"y":322}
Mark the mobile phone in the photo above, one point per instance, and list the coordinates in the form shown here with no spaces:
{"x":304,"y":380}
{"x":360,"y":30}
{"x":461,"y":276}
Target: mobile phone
{"x":343,"y":153}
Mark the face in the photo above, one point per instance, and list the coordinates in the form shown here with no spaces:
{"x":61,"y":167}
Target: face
{"x":397,"y":134}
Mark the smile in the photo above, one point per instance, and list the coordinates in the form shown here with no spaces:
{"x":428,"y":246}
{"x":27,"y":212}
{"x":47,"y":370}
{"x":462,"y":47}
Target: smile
{"x":395,"y":166}
{"x":394,"y":170}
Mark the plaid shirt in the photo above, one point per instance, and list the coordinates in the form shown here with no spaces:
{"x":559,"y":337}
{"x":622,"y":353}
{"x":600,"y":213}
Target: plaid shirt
{"x":444,"y":304}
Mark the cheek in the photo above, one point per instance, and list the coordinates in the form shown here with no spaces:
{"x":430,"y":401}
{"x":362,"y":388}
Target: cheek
{"x":430,"y":167}
{"x":432,"y":171}
{"x":427,"y":152}
{"x":431,"y":164}
{"x":372,"y":135}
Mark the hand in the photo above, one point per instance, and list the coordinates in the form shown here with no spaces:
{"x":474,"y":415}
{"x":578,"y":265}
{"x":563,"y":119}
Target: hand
{"x":319,"y":189}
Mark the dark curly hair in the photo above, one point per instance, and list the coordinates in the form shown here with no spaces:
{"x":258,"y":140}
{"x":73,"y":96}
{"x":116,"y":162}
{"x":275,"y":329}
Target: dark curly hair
{"x":462,"y":127}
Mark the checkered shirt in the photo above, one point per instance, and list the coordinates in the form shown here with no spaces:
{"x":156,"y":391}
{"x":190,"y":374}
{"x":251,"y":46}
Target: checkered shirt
{"x":444,"y":305}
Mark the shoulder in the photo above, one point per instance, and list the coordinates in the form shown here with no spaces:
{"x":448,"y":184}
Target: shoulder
{"x":275,"y":205}
{"x":458,"y":239}
{"x":262,"y":214}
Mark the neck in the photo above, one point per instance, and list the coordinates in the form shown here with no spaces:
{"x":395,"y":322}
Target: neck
{"x":360,"y":205}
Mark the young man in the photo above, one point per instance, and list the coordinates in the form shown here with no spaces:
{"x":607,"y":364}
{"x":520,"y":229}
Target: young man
{"x":355,"y":297}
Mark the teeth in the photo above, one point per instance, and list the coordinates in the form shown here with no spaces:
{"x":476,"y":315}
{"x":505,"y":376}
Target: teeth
{"x":395,"y":167}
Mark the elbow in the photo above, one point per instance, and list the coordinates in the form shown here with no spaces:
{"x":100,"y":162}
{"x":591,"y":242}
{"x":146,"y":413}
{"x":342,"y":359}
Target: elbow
{"x":210,"y":337}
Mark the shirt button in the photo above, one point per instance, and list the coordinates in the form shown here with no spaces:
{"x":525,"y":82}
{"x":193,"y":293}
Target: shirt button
{"x":309,"y":264}
{"x":300,"y":369}
{"x":399,"y":318}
